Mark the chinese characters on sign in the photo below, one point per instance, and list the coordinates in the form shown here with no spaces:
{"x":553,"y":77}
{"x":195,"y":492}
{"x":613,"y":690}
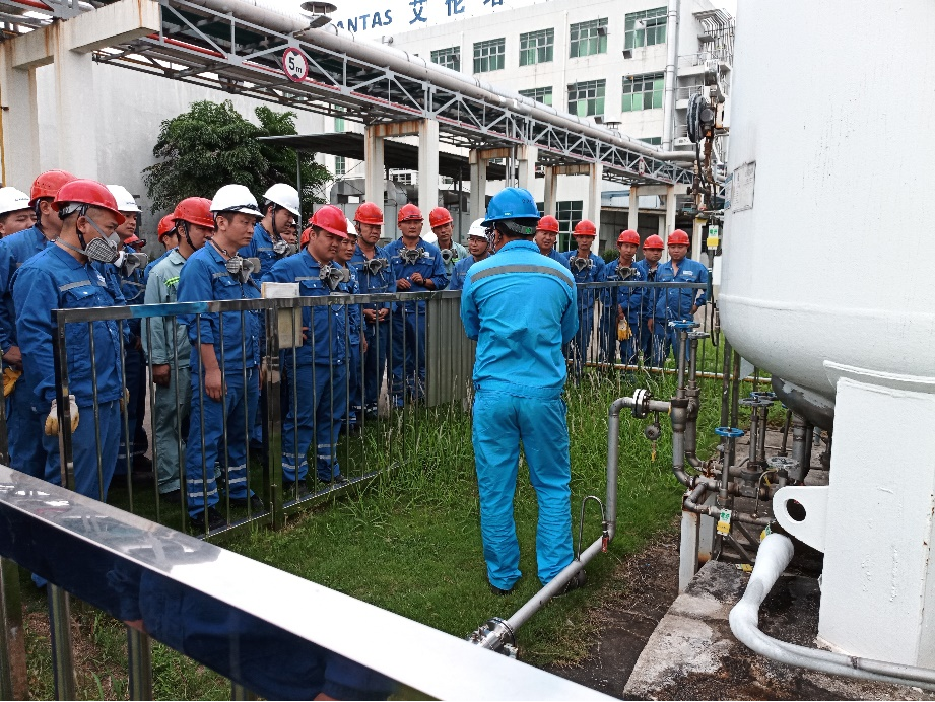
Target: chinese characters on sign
{"x":381,"y":13}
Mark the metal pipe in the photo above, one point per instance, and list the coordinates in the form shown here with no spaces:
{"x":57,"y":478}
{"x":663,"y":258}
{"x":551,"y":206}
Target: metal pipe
{"x":772,"y":558}
{"x":734,"y":403}
{"x":783,"y":449}
{"x":679,"y":410}
{"x":671,"y":81}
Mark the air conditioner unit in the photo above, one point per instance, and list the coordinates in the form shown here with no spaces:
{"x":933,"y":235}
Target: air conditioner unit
{"x":598,"y":119}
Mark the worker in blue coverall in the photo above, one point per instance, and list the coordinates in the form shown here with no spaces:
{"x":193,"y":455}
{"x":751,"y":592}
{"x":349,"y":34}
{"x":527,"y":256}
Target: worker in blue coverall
{"x":676,"y":304}
{"x":620,"y":323}
{"x":134,"y":290}
{"x":66,"y":275}
{"x":418,"y":266}
{"x":546,"y":234}
{"x":274,"y":238}
{"x":649,"y":267}
{"x":15,"y":212}
{"x":356,"y":344}
{"x":225,"y":382}
{"x":375,"y":276}
{"x":320,"y":375}
{"x":520,"y":308}
{"x":586,"y":267}
{"x":478,"y":246}
{"x":25,"y":416}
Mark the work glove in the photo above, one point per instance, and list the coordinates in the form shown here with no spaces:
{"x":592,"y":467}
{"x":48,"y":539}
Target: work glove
{"x":10,"y":376}
{"x":51,"y":422}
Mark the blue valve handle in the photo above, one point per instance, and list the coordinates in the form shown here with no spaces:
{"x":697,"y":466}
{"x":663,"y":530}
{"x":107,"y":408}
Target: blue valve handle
{"x":729,"y":432}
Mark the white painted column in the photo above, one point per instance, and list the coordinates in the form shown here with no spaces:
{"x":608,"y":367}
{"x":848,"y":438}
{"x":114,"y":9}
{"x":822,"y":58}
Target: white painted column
{"x":527,"y":157}
{"x":428,"y":168}
{"x":19,"y":122}
{"x":633,"y":214}
{"x":74,"y":88}
{"x":478,"y":184}
{"x":697,"y":228}
{"x":670,"y":219}
{"x":551,"y":190}
{"x":873,"y":521}
{"x":374,"y":167}
{"x":593,"y":206}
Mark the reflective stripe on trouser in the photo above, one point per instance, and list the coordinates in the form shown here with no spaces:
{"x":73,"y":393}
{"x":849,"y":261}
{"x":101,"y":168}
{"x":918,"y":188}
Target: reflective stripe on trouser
{"x":377,"y":336}
{"x":321,"y":408}
{"x":171,"y":421}
{"x":25,"y":429}
{"x":500,"y":422}
{"x":135,"y":363}
{"x":239,"y":402}
{"x":84,"y":449}
{"x":408,"y":337}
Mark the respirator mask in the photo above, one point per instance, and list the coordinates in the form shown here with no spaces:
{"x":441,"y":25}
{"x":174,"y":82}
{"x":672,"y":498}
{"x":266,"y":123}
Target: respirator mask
{"x":332,"y":275}
{"x":240,"y":268}
{"x":283,"y":248}
{"x":449,"y":255}
{"x":411,"y":256}
{"x":580,"y":265}
{"x":127,"y":262}
{"x":375,"y":266}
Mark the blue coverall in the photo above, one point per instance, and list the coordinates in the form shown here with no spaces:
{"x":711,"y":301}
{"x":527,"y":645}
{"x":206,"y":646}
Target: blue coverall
{"x":25,"y":424}
{"x":205,"y":277}
{"x":559,"y":258}
{"x":586,"y":298}
{"x":675,"y":304}
{"x":354,"y":316}
{"x":54,"y":279}
{"x":409,"y":319}
{"x":520,"y":319}
{"x":377,"y":334}
{"x":647,"y":310}
{"x":629,"y":298}
{"x":133,"y":288}
{"x":319,"y":377}
{"x":460,"y":272}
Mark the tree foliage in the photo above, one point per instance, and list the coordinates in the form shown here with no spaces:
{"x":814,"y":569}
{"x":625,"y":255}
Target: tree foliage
{"x":212,"y":145}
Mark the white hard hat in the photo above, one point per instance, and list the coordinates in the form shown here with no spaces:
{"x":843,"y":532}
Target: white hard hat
{"x":285,"y":196}
{"x":12,"y":200}
{"x":351,"y":229}
{"x":235,"y":198}
{"x":125,"y":201}
{"x":477,"y":228}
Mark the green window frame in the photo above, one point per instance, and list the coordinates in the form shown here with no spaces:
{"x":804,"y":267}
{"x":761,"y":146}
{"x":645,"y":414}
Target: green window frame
{"x":536,"y":47}
{"x":644,"y":28}
{"x":568,"y":213}
{"x":586,"y":99}
{"x":643,"y":92}
{"x":340,"y":166}
{"x":543,"y":95}
{"x":589,"y":38}
{"x":449,"y":58}
{"x":489,"y":55}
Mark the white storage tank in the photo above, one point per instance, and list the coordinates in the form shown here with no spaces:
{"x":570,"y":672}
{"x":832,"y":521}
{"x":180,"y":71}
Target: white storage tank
{"x":829,"y":242}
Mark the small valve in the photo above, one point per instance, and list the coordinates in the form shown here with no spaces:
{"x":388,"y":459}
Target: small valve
{"x":653,"y":431}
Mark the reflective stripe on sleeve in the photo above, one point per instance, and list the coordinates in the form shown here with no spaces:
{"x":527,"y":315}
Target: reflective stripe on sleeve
{"x":545,"y":270}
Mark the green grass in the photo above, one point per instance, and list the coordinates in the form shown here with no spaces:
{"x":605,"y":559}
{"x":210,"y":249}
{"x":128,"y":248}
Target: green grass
{"x":410,"y":541}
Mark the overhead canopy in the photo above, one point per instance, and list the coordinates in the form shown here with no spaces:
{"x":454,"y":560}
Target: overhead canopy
{"x":396,"y":154}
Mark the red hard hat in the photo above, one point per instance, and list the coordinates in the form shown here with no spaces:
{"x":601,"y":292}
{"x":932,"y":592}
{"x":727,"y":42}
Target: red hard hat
{"x":331,"y":219}
{"x":548,"y":224}
{"x":306,"y":237}
{"x":653,"y":241}
{"x":195,"y":210}
{"x":409,"y":211}
{"x":369,"y":213}
{"x":678,"y":237}
{"x":166,"y":225}
{"x":439,"y":216}
{"x":88,"y":192}
{"x":629,"y":236}
{"x":48,"y":184}
{"x":134,"y":241}
{"x":585,"y":228}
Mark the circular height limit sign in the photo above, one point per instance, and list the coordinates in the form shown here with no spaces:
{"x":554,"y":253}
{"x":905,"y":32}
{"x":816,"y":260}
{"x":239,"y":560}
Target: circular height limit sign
{"x":295,"y":65}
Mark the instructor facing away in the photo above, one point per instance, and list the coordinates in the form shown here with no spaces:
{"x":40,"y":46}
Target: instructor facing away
{"x":520,"y":307}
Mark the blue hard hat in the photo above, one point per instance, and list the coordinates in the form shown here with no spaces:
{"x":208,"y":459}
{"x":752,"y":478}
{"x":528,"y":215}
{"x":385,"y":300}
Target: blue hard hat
{"x":511,"y":203}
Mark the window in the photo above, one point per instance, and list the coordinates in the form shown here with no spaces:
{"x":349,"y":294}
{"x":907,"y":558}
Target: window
{"x":652,"y":141}
{"x":536,"y":47}
{"x":589,"y":38}
{"x":568,"y":213}
{"x":541,"y":207}
{"x":642,"y":92}
{"x":489,"y":55}
{"x":543,"y":95}
{"x":339,"y":121}
{"x":402,"y":177}
{"x":340,"y":167}
{"x":449,"y":58}
{"x":646,"y":28}
{"x":586,"y":99}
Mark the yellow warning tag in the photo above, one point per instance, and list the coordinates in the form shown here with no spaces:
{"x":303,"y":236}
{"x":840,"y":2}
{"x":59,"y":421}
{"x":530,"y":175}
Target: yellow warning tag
{"x":745,"y":567}
{"x":766,"y":532}
{"x":723,"y":524}
{"x":654,"y":452}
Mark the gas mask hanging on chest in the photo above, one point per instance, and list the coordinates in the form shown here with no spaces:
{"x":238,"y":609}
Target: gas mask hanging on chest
{"x":127,"y":262}
{"x":411,"y":256}
{"x":282,"y":248}
{"x":332,"y":275}
{"x":375,"y":266}
{"x":579,"y":265}
{"x":240,"y":269}
{"x":449,"y":255}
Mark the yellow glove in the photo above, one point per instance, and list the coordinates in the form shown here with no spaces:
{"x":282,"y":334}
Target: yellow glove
{"x":623,"y":330}
{"x":51,"y":423}
{"x":10,"y":376}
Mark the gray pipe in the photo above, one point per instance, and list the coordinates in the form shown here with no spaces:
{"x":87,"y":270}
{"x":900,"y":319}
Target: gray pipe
{"x":672,"y":51}
{"x":772,"y":557}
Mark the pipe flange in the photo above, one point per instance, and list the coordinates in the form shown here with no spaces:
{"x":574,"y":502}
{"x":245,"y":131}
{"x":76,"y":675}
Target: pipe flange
{"x":641,"y":398}
{"x":790,"y":465}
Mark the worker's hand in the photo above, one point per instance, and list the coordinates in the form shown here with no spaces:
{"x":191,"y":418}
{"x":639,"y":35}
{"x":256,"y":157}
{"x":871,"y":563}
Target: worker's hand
{"x":161,"y":374}
{"x":694,"y":309}
{"x":649,"y":324}
{"x":363,"y":345}
{"x":267,"y":374}
{"x":417,"y":279}
{"x":370,"y":316}
{"x":14,"y":358}
{"x":51,"y":422}
{"x":403,"y":284}
{"x":384,"y":313}
{"x":619,"y":312}
{"x":125,"y":400}
{"x":213,"y":384}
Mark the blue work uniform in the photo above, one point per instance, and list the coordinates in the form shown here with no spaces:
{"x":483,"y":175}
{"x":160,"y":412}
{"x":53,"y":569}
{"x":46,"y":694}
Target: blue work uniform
{"x":591,"y":273}
{"x":204,"y":277}
{"x":629,"y":300}
{"x":354,"y":316}
{"x":261,"y":247}
{"x":460,"y":272}
{"x":409,"y":319}
{"x":675,"y":304}
{"x":521,"y":308}
{"x":317,"y":371}
{"x":559,"y":258}
{"x":133,"y":288}
{"x":55,"y":279}
{"x":25,"y":426}
{"x":647,"y":310}
{"x":376,"y":333}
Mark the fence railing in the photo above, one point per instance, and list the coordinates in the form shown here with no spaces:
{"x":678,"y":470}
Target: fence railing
{"x":215,"y":607}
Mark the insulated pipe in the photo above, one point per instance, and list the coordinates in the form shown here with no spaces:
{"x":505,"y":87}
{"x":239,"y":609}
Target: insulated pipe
{"x":772,"y":557}
{"x":672,"y":51}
